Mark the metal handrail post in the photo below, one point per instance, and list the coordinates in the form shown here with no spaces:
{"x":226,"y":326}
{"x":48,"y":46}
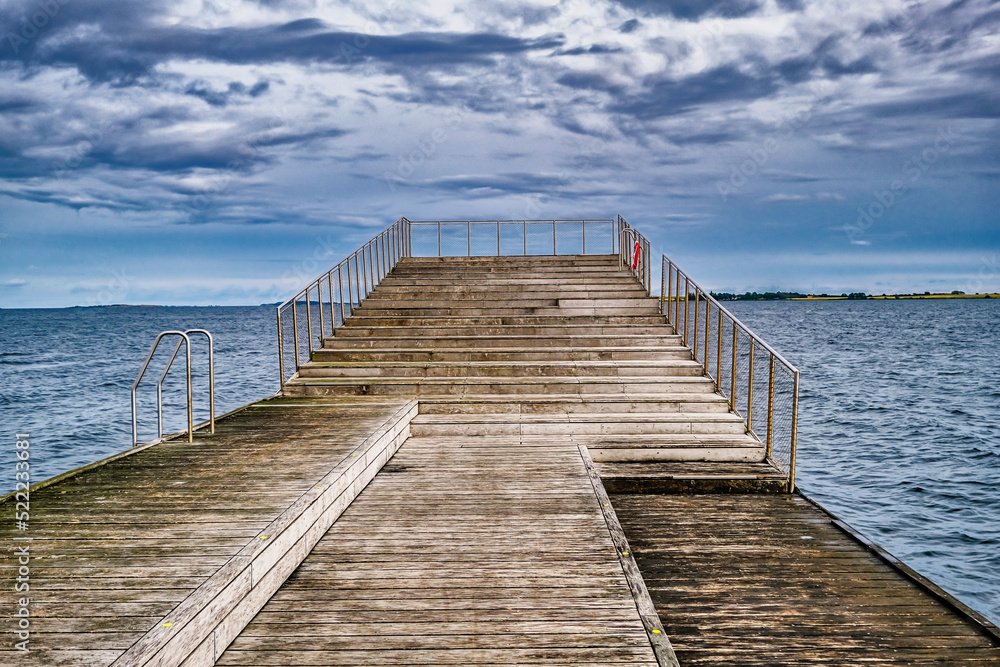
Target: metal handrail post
{"x":135,"y":385}
{"x":770,"y":406}
{"x":295,"y":329}
{"x":319,"y":300}
{"x":350,"y":290}
{"x":697,"y":308}
{"x":718,"y":353}
{"x":524,"y":236}
{"x":795,"y":426}
{"x":663,"y":284}
{"x":211,"y":373}
{"x":468,"y":238}
{"x":340,"y":285}
{"x":362,"y":272}
{"x":281,"y":349}
{"x":159,"y":389}
{"x":749,"y":415}
{"x":329,"y":285}
{"x":583,"y":231}
{"x":708,"y":330}
{"x":309,"y":321}
{"x":554,"y":238}
{"x":372,"y":258}
{"x":732,"y":379}
{"x":687,"y":292}
{"x":439,"y":238}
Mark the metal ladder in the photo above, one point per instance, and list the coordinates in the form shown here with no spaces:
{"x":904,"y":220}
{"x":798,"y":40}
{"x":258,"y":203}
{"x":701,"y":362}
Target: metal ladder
{"x":185,"y":340}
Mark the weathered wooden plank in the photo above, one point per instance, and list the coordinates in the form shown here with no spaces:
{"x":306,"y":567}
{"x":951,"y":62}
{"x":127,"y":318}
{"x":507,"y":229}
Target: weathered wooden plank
{"x":441,"y":560}
{"x":732,"y":590}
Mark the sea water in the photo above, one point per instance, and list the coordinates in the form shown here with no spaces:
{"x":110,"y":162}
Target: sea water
{"x":899,"y":429}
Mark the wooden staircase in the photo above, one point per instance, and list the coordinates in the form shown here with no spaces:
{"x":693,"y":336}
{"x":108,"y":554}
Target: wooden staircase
{"x":539,"y":348}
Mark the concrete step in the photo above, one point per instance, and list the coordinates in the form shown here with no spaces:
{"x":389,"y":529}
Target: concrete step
{"x":611,"y":331}
{"x":370,"y":311}
{"x":511,"y":386}
{"x":493,"y":369}
{"x":481,"y":354}
{"x":715,"y":448}
{"x":690,"y":477}
{"x":574,"y":404}
{"x":519,"y":302}
{"x":459,"y":295}
{"x":514,"y":260}
{"x":604,"y":282}
{"x":606,"y":424}
{"x":501,"y":341}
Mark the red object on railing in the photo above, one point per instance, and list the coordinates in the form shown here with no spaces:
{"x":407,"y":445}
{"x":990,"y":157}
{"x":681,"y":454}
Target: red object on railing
{"x":635,"y":260}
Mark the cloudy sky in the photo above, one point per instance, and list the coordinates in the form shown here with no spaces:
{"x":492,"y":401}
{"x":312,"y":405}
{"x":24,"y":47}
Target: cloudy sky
{"x":223,"y":152}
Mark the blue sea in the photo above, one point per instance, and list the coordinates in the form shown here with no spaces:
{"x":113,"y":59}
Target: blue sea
{"x":899,"y":430}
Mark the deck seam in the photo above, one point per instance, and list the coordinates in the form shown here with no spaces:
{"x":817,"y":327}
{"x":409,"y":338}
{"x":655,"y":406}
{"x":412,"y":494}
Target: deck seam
{"x":658,"y":639}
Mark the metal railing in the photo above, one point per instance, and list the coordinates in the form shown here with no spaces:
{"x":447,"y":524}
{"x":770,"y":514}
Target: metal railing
{"x":337,"y":293}
{"x":742,"y":365}
{"x":184,"y":339}
{"x":482,"y":238}
{"x":633,"y":253}
{"x":334,"y":295}
{"x":761,"y":385}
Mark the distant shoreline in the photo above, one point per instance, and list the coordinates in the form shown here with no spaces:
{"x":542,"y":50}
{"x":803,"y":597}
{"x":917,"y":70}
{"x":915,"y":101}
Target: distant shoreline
{"x":856,"y":296}
{"x":884,"y":297}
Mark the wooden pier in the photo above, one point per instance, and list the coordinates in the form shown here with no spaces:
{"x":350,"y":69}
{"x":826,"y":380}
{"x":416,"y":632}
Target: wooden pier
{"x":431,"y":489}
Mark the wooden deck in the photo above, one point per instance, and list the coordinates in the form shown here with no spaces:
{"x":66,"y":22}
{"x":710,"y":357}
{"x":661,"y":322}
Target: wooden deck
{"x":483,"y":538}
{"x":768,"y":579}
{"x":460,"y":552}
{"x":116,"y":549}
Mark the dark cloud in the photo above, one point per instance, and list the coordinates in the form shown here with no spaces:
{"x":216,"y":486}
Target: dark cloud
{"x":109,"y":55}
{"x":692,"y":10}
{"x":663,"y":96}
{"x":589,"y":50}
{"x":958,"y":105}
{"x":630,"y":26}
{"x":220,"y":98}
{"x":492,"y":185}
{"x":792,"y":5}
{"x":823,"y":61}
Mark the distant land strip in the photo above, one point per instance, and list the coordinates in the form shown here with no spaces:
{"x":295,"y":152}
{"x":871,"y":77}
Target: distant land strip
{"x":853,"y":296}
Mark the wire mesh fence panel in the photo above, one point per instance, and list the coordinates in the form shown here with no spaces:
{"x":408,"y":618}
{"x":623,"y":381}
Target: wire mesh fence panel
{"x":742,"y":372}
{"x":511,"y":238}
{"x":784,"y":407}
{"x":600,"y":237}
{"x":424,"y":240}
{"x":539,"y":238}
{"x":454,"y":239}
{"x":725,"y":377}
{"x":569,"y":238}
{"x":761,"y":364}
{"x":484,"y":239}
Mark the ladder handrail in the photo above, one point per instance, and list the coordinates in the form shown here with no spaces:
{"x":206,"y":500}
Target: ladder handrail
{"x":184,"y":339}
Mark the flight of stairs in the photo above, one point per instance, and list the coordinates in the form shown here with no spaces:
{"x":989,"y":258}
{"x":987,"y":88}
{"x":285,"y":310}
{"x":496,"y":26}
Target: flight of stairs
{"x":537,"y":348}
